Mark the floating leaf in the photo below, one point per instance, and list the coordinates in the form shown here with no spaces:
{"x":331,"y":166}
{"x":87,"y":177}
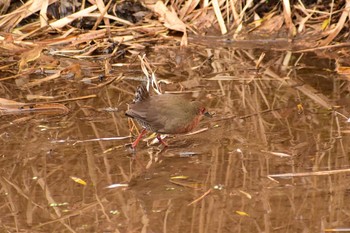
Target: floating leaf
{"x":112,"y":186}
{"x":9,"y":107}
{"x":279,"y":154}
{"x":179,"y":177}
{"x":186,"y":154}
{"x":246,"y":194}
{"x":186,"y":183}
{"x":114,"y":212}
{"x":78,"y":180}
{"x":58,"y":204}
{"x":218,"y":187}
{"x":242,"y":213}
{"x":346,"y":229}
{"x":300,"y":108}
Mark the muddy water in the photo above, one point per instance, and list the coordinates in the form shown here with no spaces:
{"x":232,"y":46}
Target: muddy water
{"x":274,"y":158}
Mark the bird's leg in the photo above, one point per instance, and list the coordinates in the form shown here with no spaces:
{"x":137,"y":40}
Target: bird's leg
{"x":161,"y":140}
{"x":134,"y":144}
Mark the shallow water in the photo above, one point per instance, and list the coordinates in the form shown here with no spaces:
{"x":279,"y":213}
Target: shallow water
{"x":270,"y":119}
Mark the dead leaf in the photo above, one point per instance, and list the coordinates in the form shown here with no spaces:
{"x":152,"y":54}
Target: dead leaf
{"x":242,"y":213}
{"x":171,"y":20}
{"x":29,"y":56}
{"x":74,"y":69}
{"x":325,"y":24}
{"x":189,"y":183}
{"x":78,"y":180}
{"x":10,"y":107}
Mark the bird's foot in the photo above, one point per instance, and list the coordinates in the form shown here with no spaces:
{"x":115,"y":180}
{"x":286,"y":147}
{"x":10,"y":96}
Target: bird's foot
{"x":161,"y":140}
{"x":134,"y":144}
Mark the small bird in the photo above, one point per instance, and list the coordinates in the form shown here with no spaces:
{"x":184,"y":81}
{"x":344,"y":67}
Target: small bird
{"x":164,"y":114}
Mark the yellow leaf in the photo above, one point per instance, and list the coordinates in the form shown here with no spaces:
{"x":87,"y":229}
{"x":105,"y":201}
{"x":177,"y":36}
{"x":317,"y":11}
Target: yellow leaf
{"x":325,"y":24}
{"x":78,"y":180}
{"x":179,"y":177}
{"x":242,"y":213}
{"x":300,"y":108}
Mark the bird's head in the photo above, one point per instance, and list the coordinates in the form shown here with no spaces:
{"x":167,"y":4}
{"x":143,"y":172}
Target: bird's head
{"x":200,"y":109}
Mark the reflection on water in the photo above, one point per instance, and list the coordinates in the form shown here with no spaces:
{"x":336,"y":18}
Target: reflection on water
{"x":272,"y":118}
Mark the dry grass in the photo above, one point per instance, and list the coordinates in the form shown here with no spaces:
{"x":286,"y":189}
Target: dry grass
{"x":235,"y":17}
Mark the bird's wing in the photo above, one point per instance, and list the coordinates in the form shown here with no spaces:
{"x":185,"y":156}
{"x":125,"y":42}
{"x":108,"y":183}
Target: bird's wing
{"x":151,"y":117}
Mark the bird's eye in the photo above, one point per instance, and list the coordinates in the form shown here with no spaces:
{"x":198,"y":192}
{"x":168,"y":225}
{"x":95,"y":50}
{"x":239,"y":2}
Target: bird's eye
{"x":202,"y":110}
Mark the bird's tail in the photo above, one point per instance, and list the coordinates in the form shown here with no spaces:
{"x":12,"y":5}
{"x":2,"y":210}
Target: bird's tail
{"x":141,"y":94}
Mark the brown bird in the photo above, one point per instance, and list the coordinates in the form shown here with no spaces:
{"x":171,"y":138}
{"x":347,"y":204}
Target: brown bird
{"x":164,"y":114}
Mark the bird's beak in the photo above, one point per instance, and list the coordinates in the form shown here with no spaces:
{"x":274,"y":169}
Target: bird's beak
{"x":208,"y":114}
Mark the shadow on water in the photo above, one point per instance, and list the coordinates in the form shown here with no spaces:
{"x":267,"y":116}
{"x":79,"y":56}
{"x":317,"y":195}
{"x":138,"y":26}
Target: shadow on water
{"x":273,"y":117}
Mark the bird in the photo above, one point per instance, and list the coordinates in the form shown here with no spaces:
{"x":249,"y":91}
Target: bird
{"x":164,"y":113}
